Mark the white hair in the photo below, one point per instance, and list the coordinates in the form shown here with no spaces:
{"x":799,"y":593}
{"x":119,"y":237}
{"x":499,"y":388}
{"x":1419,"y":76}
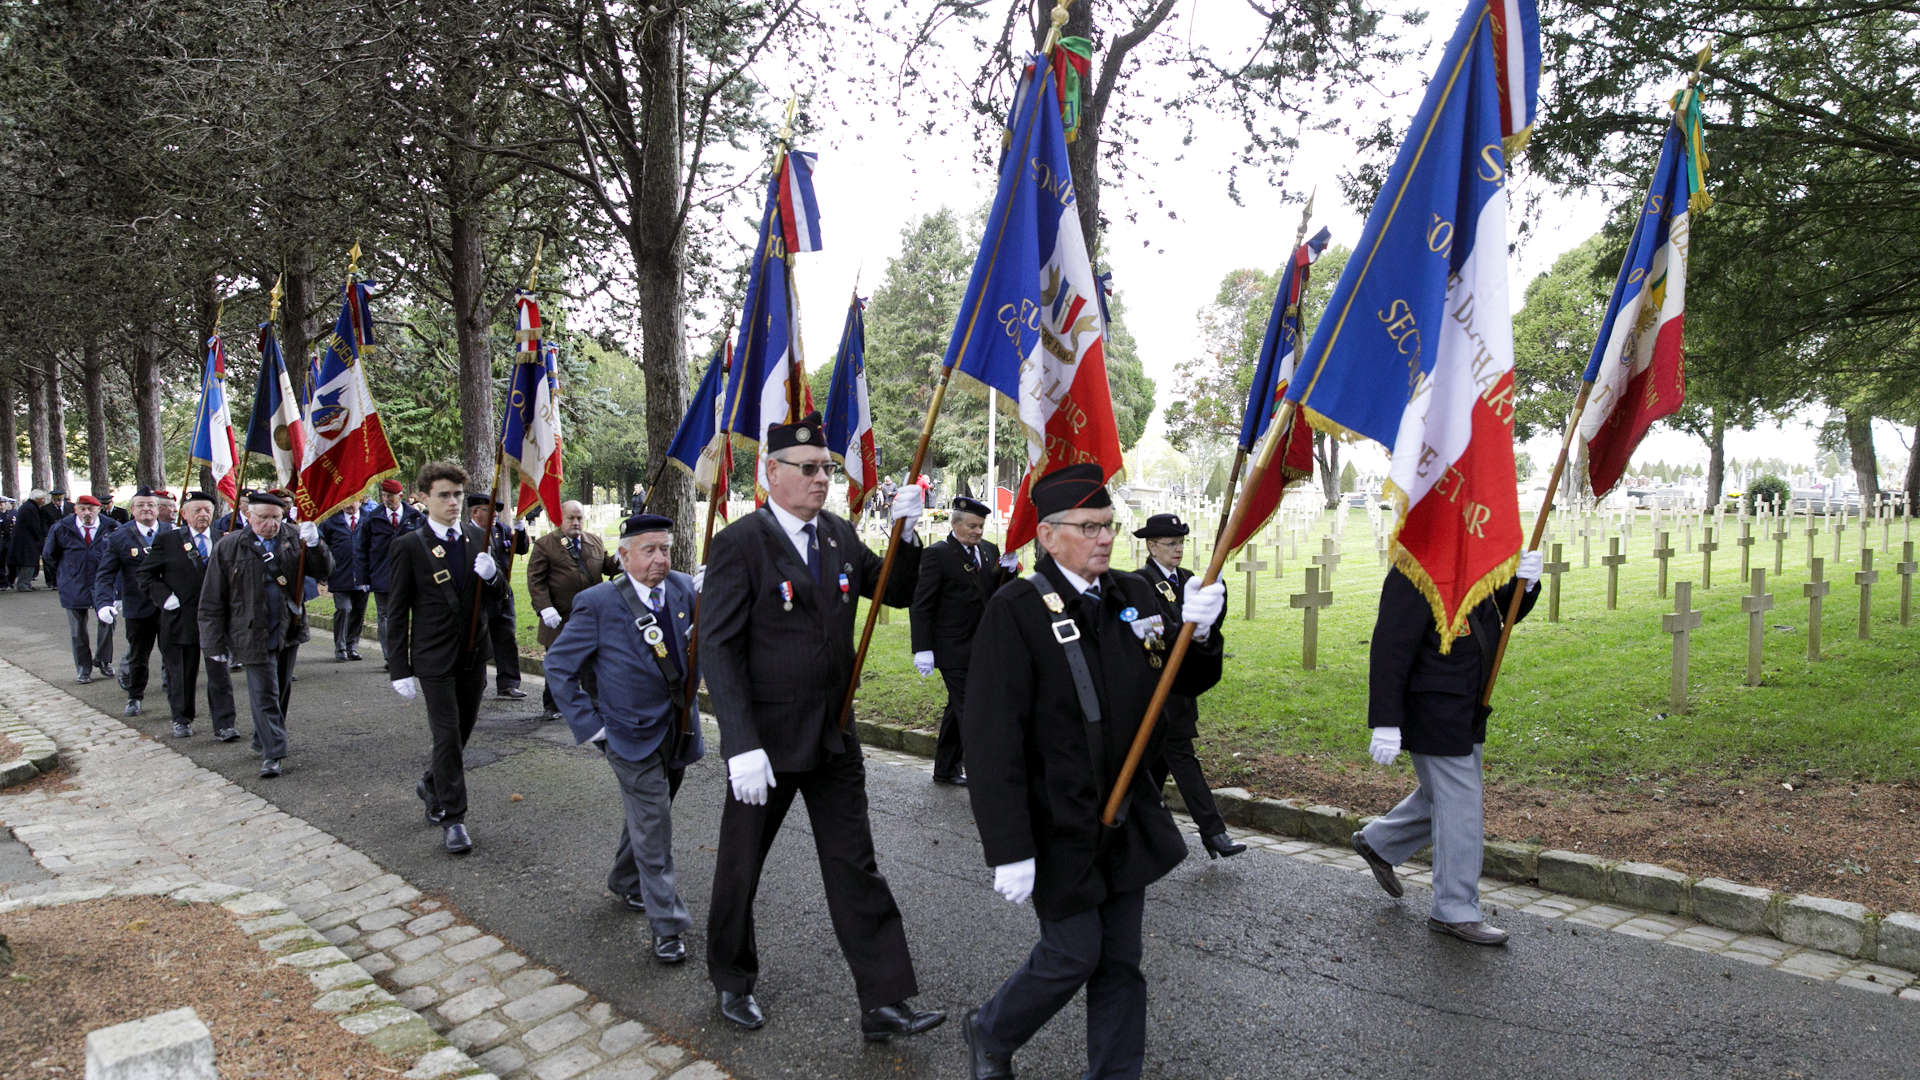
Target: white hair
{"x":622,"y":546}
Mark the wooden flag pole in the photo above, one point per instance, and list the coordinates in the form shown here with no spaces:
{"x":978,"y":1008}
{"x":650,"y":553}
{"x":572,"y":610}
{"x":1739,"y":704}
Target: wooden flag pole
{"x":689,"y":709}
{"x":489,"y":517}
{"x":1276,"y":433}
{"x":1539,"y":531}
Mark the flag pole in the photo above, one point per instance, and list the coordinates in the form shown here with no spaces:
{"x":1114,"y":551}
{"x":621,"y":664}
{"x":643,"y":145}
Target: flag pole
{"x":493,"y":489}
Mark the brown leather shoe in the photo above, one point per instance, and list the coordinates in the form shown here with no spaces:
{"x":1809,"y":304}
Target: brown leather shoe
{"x":1473,"y":933}
{"x":1382,"y":869}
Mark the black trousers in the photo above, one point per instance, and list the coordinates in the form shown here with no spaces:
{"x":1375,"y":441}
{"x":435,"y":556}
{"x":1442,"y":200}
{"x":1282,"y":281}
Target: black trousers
{"x":1177,"y":759}
{"x":453,"y":704}
{"x":349,"y":620}
{"x":506,"y":649}
{"x":142,"y":635}
{"x":1099,"y":949}
{"x":947,"y":759}
{"x":269,"y":691}
{"x":183,"y":672}
{"x":865,"y":918}
{"x":89,"y":650}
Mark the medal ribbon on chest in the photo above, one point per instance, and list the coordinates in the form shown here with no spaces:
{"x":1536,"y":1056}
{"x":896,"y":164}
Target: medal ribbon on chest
{"x":786,"y":596}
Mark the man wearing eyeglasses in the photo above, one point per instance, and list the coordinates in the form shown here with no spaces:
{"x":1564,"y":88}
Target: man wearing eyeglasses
{"x":1064,"y":666}
{"x":782,"y":588}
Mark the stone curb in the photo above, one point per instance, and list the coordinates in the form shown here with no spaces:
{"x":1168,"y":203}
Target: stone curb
{"x":38,"y":755}
{"x":342,"y":987}
{"x":1835,"y":926}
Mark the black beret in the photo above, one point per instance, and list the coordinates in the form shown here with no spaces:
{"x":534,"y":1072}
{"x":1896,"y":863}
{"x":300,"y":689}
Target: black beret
{"x":963,"y":504}
{"x":1070,"y":487}
{"x":645,"y":523}
{"x":196,"y":496}
{"x":1161,"y":526}
{"x":805,"y":432}
{"x":475,"y":498}
{"x":58,"y":491}
{"x":265,"y":498}
{"x":144,"y":492}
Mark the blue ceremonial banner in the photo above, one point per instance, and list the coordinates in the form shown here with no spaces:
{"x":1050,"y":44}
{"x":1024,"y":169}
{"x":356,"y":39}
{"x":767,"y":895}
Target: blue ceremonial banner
{"x":757,"y":387}
{"x":849,"y":416}
{"x":697,"y":444}
{"x":1279,"y":351}
{"x":274,"y":426}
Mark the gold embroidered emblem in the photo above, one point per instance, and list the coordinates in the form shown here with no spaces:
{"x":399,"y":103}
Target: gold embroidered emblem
{"x":1053,"y":603}
{"x":439,"y":552}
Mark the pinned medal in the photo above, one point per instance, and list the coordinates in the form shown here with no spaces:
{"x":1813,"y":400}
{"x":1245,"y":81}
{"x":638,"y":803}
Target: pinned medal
{"x":846,"y":586}
{"x":786,"y":596}
{"x":657,"y":638}
{"x":1129,"y":614}
{"x":1166,"y":590}
{"x":282,"y":579}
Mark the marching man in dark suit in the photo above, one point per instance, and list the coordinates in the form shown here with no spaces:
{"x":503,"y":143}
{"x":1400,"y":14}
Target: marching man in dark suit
{"x":632,"y":632}
{"x":1428,"y":703}
{"x":958,"y":576}
{"x":118,"y":598}
{"x":389,"y":521}
{"x":72,"y":553}
{"x":565,"y":562}
{"x":29,"y":537}
{"x":507,"y":542}
{"x":172,"y":575}
{"x":435,"y":647}
{"x":1064,"y":665}
{"x":776,"y":622}
{"x":1166,"y":537}
{"x":251,"y":611}
{"x":348,"y":585}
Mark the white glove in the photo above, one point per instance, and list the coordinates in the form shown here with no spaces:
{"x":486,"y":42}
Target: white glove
{"x":551,"y":617}
{"x":1014,"y":881}
{"x":106,"y":615}
{"x":1202,"y":606}
{"x":309,"y":534}
{"x":520,"y":526}
{"x":407,"y":687}
{"x":751,"y":774}
{"x":907,"y":507}
{"x":221,"y":659}
{"x":1146,"y":628}
{"x":699,"y":578}
{"x":172,"y":604}
{"x":484,"y":566}
{"x":1385,"y":745}
{"x":1530,"y":568}
{"x":1010,"y":563}
{"x":923,"y":662}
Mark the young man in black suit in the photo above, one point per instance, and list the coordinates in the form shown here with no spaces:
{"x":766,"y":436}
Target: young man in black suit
{"x":435,"y":646}
{"x":776,"y":640}
{"x":171,"y":575}
{"x":958,"y":576}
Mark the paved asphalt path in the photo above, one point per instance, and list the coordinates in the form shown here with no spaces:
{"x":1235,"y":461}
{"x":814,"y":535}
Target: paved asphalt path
{"x":1258,"y":967}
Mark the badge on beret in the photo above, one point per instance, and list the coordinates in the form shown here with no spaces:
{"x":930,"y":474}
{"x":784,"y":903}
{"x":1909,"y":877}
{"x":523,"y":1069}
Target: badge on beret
{"x":803,"y":435}
{"x":439,"y":552}
{"x":1129,"y":614}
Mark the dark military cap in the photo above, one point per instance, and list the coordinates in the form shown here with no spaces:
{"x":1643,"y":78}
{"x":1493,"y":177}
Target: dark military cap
{"x":145,"y":492}
{"x":645,"y":523}
{"x":196,"y":496}
{"x":805,"y":432}
{"x":963,"y":504}
{"x":1070,"y":487}
{"x":475,"y":498}
{"x":265,"y":498}
{"x":1162,"y":526}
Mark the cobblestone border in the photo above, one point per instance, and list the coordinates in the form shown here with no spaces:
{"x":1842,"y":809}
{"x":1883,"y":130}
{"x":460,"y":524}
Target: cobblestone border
{"x":37,"y":753}
{"x":1712,"y":913}
{"x":341,"y":987}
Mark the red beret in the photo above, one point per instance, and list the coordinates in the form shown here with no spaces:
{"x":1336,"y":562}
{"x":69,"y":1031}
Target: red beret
{"x":87,"y":500}
{"x":392,"y":487}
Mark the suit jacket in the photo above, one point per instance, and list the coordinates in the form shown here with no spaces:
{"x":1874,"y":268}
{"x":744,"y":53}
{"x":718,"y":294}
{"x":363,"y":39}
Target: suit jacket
{"x":1181,"y":714}
{"x":1030,"y":767}
{"x":118,"y":515}
{"x":72,"y":562}
{"x":632,"y":701}
{"x":174,"y":568}
{"x":430,"y":606}
{"x":237,"y":616}
{"x":778,"y":670}
{"x":29,"y":535}
{"x":113,"y":579}
{"x":349,"y":573}
{"x":950,"y":597}
{"x":1433,"y":699}
{"x":377,"y":535}
{"x":554,"y":578}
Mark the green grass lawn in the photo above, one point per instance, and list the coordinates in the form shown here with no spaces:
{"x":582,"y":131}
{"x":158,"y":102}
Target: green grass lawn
{"x":1582,"y":702}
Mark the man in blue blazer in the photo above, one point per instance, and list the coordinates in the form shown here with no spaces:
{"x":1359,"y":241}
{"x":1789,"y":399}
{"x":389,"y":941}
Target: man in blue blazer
{"x":72,"y":553}
{"x":631,"y":633}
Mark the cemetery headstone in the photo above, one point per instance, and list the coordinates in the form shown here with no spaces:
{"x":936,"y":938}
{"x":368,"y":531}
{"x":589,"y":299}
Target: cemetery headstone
{"x":1681,"y":622}
{"x":1866,"y":578}
{"x":1905,"y":567}
{"x":1815,"y":591}
{"x":1756,"y":604}
{"x":1310,"y":602}
{"x":1613,"y":559}
{"x":1328,"y":559}
{"x":1663,"y":551}
{"x":1708,"y":545}
{"x":1553,"y":570}
{"x":1251,"y":565}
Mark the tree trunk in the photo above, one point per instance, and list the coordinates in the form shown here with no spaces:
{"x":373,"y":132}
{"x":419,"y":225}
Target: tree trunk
{"x":1866,"y":468}
{"x":1913,"y":465}
{"x":93,"y":367}
{"x":296,"y":316}
{"x":470,"y":318}
{"x":150,"y":460}
{"x":658,"y":245}
{"x":57,"y":427}
{"x":9,"y":440}
{"x":1326,"y":449}
{"x":37,"y":439}
{"x":1716,"y":459}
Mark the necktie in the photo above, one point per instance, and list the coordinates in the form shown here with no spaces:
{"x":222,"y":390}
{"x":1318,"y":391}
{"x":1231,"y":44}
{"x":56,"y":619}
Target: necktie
{"x":351,"y":519}
{"x":813,"y":551}
{"x":200,"y":541}
{"x":394,"y":515}
{"x":88,"y":529}
{"x":1088,"y":612}
{"x":973,"y":556}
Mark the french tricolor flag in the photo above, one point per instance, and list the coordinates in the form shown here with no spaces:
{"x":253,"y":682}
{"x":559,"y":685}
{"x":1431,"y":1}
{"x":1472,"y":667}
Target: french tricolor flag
{"x":213,"y":442}
{"x":849,"y":417}
{"x":799,"y":210}
{"x":1415,"y":349}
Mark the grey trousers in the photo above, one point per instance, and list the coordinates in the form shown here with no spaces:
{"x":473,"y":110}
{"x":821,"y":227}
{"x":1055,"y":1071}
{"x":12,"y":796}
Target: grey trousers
{"x":89,"y":652}
{"x":269,"y":688}
{"x":643,"y":863}
{"x":1444,"y":810}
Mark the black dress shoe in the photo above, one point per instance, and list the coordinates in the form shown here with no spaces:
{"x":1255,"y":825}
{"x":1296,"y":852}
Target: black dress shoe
{"x":1473,"y":933}
{"x":353,"y":654}
{"x":510,"y":692}
{"x":226,"y":734}
{"x":900,"y":1018}
{"x":339,"y":657}
{"x":269,"y":768}
{"x":634,"y":902}
{"x":133,"y":707}
{"x":83,"y":678}
{"x":1220,"y":845}
{"x":105,"y":667}
{"x":458,"y":842}
{"x":742,"y":1010}
{"x":1382,"y":869}
{"x":550,"y":714}
{"x":983,"y":1065}
{"x":669,"y":949}
{"x":434,"y":814}
{"x":182,"y":731}
{"x":957,"y":779}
